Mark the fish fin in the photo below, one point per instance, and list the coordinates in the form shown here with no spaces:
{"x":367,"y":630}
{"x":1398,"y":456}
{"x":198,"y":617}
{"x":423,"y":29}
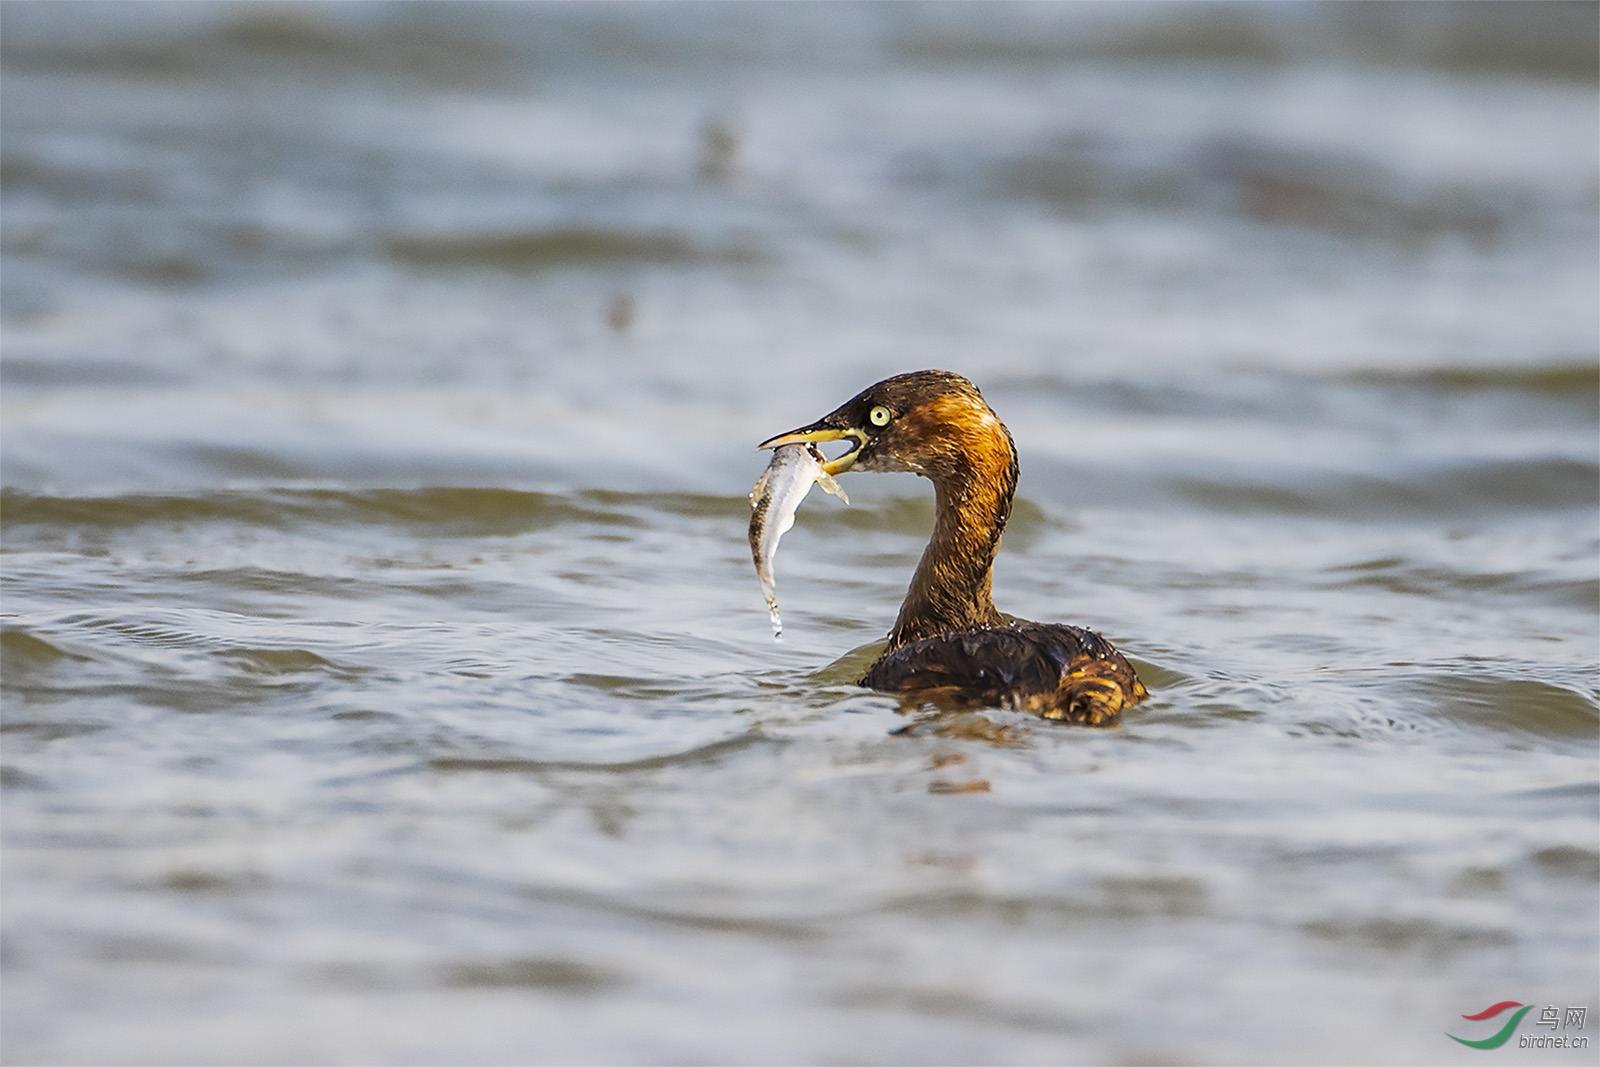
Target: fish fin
{"x":832,"y":487}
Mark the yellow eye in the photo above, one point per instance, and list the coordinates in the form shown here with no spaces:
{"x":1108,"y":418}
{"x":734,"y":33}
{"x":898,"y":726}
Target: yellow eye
{"x":879,"y":415}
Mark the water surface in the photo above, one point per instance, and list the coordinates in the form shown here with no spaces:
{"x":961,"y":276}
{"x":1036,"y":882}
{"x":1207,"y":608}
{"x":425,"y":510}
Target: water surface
{"x":385,"y":677}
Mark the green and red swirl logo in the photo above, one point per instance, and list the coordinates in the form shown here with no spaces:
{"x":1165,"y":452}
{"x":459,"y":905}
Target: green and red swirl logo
{"x":1503,"y":1035}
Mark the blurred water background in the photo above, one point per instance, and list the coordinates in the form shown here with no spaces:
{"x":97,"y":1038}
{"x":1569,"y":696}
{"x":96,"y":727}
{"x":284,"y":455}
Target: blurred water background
{"x":385,"y":676}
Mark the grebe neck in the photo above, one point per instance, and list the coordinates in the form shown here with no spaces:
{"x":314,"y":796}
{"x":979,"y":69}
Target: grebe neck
{"x":952,"y":587}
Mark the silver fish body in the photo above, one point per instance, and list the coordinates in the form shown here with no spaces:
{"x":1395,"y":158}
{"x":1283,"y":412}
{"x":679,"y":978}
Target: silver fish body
{"x":774,"y":500}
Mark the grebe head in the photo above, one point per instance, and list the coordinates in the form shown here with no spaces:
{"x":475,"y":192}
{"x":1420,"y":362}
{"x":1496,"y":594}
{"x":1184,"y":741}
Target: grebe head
{"x":929,"y":422}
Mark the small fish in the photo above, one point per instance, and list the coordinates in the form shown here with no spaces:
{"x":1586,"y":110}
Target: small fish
{"x":783,"y":485}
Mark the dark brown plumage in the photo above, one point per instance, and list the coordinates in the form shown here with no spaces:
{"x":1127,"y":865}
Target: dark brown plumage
{"x":950,"y":644}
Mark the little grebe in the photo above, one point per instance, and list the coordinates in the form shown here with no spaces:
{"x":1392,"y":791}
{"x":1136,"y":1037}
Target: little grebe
{"x":950,"y":644}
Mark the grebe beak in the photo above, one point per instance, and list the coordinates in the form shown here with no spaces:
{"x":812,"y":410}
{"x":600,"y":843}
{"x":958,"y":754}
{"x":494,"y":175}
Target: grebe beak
{"x":823,"y":431}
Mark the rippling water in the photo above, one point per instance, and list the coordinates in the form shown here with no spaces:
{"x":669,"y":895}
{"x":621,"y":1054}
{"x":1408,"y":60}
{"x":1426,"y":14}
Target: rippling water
{"x":385,"y":677}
